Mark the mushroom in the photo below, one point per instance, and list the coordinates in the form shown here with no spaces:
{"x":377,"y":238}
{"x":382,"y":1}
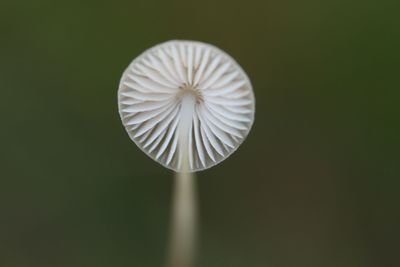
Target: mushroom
{"x":186,"y":104}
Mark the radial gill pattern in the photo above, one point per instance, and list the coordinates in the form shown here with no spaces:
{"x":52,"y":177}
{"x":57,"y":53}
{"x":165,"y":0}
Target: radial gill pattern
{"x":190,"y":91}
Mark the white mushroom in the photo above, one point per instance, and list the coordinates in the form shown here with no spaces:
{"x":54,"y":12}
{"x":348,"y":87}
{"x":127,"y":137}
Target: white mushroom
{"x":188,"y":97}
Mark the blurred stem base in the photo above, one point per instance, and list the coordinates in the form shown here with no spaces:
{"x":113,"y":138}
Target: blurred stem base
{"x":183,"y":233}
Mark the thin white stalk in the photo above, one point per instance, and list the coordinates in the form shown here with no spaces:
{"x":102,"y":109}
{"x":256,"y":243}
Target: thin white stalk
{"x":182,"y":247}
{"x":183,"y":235}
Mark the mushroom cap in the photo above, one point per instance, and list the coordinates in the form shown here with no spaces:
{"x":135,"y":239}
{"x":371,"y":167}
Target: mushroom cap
{"x":188,"y":81}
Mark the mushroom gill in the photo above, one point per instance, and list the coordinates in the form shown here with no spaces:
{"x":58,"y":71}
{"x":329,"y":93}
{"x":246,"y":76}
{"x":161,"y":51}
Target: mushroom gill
{"x":186,"y":92}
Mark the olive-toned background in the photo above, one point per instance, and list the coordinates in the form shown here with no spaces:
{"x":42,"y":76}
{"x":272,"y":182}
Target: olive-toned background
{"x":315,"y":184}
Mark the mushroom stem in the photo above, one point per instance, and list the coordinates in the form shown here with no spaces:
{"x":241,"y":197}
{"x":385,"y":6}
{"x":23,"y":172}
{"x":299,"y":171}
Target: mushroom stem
{"x":184,"y":210}
{"x":183,"y":236}
{"x":188,"y":103}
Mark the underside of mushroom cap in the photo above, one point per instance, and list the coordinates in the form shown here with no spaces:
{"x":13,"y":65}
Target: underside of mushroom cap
{"x":186,"y":96}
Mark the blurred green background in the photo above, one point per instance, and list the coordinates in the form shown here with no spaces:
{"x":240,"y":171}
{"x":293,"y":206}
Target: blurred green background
{"x":315,"y":184}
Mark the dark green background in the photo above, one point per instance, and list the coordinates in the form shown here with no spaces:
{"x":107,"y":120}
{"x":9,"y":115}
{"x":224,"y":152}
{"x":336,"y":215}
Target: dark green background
{"x":315,"y":184}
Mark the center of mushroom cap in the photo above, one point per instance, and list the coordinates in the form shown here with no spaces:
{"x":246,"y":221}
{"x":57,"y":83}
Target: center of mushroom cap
{"x":186,"y":90}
